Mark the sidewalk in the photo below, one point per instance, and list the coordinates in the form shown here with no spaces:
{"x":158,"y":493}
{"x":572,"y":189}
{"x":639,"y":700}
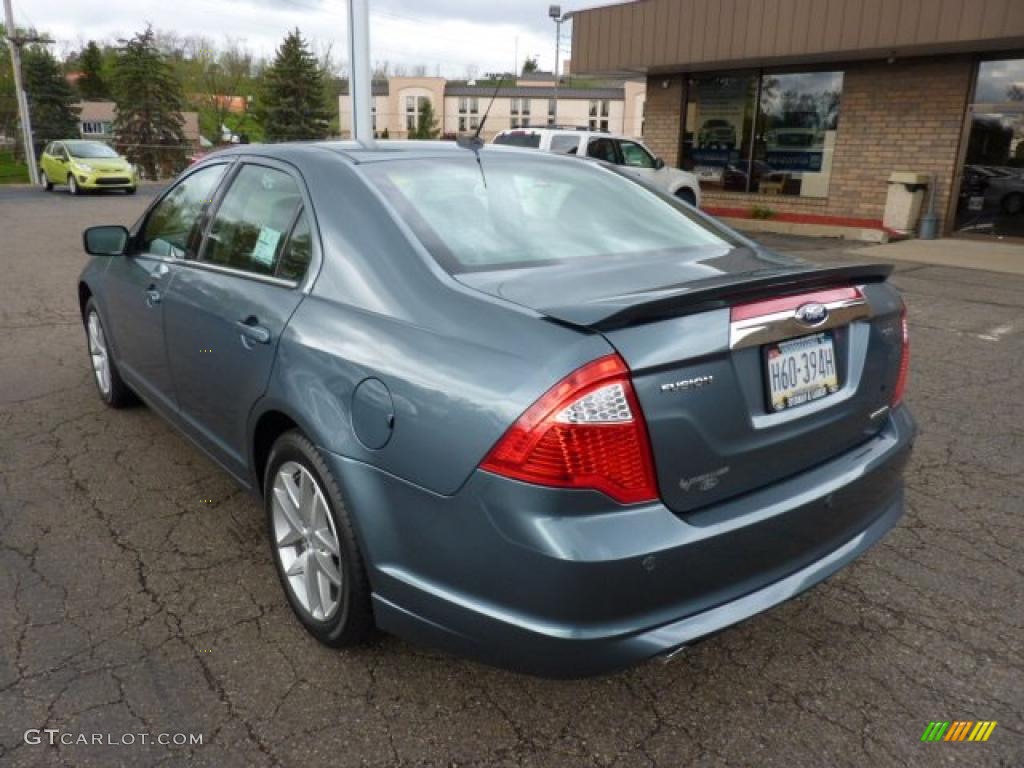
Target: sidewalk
{"x":966,"y":253}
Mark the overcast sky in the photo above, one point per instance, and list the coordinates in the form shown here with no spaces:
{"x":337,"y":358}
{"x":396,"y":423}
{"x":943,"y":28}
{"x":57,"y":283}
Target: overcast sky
{"x":450,"y":34}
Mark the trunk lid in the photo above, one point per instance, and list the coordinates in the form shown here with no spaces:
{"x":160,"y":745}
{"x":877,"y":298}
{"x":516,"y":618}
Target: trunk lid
{"x":701,"y":375}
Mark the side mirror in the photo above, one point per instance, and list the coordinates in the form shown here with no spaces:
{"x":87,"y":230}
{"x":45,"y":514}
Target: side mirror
{"x":658,"y":163}
{"x":105,"y":241}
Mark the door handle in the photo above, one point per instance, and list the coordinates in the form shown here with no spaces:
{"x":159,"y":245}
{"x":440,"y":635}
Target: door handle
{"x":152,"y":296}
{"x":252,"y":331}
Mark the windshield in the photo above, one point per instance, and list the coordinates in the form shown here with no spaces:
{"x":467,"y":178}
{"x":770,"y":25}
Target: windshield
{"x":90,"y":149}
{"x":520,"y":211}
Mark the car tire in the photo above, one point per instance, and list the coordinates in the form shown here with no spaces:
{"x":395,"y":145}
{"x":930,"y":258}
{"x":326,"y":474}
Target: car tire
{"x":1013,"y":203}
{"x":44,"y":181}
{"x":304,"y":549}
{"x":73,"y":188}
{"x":113,"y":391}
{"x":687,"y":196}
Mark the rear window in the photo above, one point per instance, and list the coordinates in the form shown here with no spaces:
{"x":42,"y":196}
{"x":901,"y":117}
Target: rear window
{"x":518,"y":139}
{"x":524,"y":210}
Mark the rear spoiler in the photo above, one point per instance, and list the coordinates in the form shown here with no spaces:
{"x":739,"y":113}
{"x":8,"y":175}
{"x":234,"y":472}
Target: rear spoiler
{"x":613,"y":312}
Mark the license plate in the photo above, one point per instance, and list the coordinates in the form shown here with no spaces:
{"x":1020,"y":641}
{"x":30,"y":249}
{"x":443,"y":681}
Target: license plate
{"x":801,"y":371}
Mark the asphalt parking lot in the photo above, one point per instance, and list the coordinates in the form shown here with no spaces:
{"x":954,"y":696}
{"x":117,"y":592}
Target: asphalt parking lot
{"x":137,"y":593}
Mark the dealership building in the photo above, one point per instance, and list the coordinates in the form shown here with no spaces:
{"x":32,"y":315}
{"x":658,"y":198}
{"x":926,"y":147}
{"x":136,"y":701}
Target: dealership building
{"x":795,"y":114}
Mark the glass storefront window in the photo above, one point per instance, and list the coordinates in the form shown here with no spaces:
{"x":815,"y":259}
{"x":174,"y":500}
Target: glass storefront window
{"x":990,"y":200}
{"x":796,"y":133}
{"x":783,"y":147}
{"x":717,"y":133}
{"x":1000,"y":81}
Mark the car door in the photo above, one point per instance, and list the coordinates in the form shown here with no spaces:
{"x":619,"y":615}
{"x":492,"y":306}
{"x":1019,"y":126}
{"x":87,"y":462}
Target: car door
{"x":638,"y":162}
{"x":135,"y":284}
{"x":226,"y":310}
{"x":55,"y":163}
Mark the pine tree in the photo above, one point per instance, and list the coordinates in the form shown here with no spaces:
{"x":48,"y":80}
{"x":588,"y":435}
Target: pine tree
{"x":292,"y":106}
{"x":426,"y":123}
{"x":148,"y":126}
{"x":8,"y":102}
{"x":91,"y":84}
{"x":50,"y":98}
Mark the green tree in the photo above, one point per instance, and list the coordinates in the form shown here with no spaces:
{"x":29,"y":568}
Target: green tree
{"x":92,"y":84}
{"x":292,"y":105}
{"x":426,"y":123}
{"x":148,"y":126}
{"x":530,"y":65}
{"x":8,"y":101}
{"x":50,"y":99}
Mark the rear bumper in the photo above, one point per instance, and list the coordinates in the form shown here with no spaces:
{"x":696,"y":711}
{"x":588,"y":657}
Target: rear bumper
{"x":566,"y":583}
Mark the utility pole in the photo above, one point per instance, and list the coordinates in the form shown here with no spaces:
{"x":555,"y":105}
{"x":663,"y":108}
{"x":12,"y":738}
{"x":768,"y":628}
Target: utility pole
{"x":555,"y":12}
{"x":26,"y":122}
{"x":360,"y":76}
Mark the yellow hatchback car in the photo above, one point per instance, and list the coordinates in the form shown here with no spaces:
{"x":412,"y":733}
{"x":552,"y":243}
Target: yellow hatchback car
{"x":85,"y":165}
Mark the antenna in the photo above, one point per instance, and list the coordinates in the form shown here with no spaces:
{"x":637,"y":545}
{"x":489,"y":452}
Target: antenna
{"x":474,"y":142}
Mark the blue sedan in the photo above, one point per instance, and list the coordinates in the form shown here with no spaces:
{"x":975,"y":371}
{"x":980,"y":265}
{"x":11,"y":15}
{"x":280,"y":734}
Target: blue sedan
{"x":511,"y":404}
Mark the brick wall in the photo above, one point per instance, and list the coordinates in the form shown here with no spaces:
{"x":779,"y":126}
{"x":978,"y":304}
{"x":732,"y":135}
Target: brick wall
{"x":904,"y":116}
{"x":663,"y":118}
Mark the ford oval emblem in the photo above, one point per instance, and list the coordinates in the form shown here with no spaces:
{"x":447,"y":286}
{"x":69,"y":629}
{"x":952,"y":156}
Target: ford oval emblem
{"x":811,"y":314}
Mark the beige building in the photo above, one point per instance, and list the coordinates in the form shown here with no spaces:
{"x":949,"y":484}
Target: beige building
{"x":616,"y":106}
{"x":96,"y":121}
{"x":797,"y":113}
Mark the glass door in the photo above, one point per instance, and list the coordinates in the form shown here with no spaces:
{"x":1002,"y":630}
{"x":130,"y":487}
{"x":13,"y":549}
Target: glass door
{"x":991,"y":196}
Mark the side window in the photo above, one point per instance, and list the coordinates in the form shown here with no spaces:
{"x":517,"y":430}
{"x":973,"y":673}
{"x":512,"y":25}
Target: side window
{"x":566,"y":145}
{"x":298,"y":251}
{"x":635,"y":156}
{"x":252,"y":221}
{"x":172,"y":228}
{"x":602,"y":149}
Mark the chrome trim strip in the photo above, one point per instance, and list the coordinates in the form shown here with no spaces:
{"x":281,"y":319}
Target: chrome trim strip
{"x":883,"y":411}
{"x":237,"y":273}
{"x":779,"y":326}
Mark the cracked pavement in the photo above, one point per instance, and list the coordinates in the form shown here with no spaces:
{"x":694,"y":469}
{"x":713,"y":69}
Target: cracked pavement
{"x":137,"y":592}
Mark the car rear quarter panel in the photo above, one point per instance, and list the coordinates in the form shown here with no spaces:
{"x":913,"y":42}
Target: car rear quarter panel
{"x":459,"y":366}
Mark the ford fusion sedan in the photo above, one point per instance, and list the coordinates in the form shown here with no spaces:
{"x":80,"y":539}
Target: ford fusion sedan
{"x":508,"y":403}
{"x":85,"y":165}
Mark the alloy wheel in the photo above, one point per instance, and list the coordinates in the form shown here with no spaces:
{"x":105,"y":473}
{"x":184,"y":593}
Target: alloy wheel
{"x":98,"y":352}
{"x":306,"y":541}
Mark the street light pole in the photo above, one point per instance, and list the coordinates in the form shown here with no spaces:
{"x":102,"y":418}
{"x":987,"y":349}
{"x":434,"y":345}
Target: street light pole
{"x":360,"y":77}
{"x":555,"y":12}
{"x":26,"y":123}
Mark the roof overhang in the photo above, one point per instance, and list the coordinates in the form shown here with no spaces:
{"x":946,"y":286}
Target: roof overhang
{"x":648,"y":37}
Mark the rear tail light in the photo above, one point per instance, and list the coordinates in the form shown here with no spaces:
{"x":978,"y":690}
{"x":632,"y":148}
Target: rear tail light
{"x":587,"y":431}
{"x":901,"y":379}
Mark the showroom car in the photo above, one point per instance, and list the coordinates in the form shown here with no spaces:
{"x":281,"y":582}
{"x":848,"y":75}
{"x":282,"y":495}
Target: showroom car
{"x":85,"y":166}
{"x":507,"y":403}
